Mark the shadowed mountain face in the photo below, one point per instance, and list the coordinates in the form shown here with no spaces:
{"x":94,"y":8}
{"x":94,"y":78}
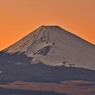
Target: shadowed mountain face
{"x":14,"y":58}
{"x":17,"y":67}
{"x":55,"y":46}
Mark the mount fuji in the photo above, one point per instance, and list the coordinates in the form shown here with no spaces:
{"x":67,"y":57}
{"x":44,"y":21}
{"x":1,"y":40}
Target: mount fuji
{"x":55,"y":46}
{"x":48,"y":61}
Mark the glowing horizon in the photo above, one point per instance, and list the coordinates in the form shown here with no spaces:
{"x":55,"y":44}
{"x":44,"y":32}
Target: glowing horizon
{"x":20,"y":17}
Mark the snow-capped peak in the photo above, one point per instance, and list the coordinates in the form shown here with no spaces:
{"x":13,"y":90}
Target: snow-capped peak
{"x":55,"y":46}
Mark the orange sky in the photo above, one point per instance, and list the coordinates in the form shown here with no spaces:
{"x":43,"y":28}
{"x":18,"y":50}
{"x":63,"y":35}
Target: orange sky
{"x":20,"y":17}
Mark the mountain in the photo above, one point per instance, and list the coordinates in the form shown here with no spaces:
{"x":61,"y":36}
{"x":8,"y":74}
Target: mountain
{"x":55,"y":46}
{"x":48,"y":61}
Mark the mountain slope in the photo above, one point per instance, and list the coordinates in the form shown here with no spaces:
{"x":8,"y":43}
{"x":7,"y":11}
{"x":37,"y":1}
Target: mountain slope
{"x":53,"y":46}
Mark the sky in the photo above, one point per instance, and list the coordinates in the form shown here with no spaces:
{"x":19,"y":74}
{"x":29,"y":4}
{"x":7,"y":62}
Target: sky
{"x":20,"y":17}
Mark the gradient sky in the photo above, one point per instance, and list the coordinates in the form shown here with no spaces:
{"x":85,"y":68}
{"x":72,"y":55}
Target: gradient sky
{"x":20,"y":17}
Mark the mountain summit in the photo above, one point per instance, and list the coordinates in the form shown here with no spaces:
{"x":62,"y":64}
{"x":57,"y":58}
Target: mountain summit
{"x":55,"y":46}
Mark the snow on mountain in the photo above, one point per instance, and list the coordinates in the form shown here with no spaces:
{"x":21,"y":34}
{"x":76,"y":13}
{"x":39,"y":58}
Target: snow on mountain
{"x":53,"y":45}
